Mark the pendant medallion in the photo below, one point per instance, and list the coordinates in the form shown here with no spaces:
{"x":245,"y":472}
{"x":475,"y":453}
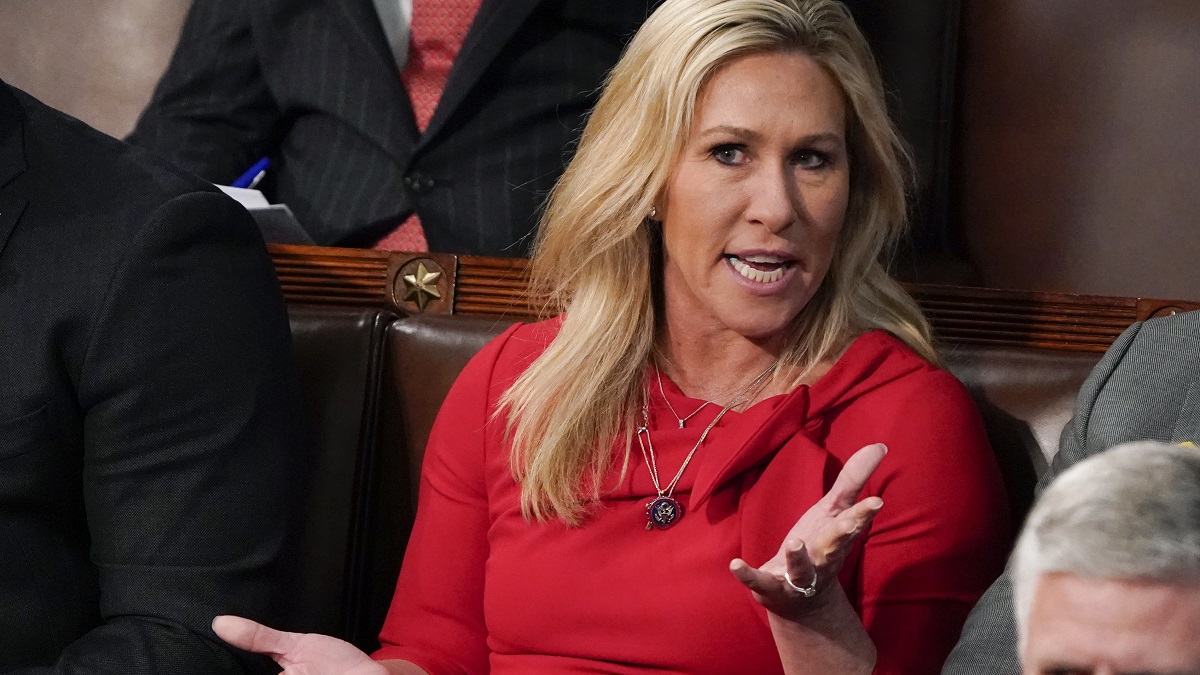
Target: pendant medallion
{"x":662,"y":512}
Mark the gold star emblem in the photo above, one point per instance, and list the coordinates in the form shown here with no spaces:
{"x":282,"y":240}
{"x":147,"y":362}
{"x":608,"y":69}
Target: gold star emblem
{"x":422,"y":286}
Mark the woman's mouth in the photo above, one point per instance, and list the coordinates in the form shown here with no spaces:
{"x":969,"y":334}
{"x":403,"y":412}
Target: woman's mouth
{"x":760,"y":268}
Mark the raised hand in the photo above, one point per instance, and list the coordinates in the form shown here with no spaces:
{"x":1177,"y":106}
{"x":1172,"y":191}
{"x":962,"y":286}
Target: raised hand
{"x":802,"y":577}
{"x":298,"y":653}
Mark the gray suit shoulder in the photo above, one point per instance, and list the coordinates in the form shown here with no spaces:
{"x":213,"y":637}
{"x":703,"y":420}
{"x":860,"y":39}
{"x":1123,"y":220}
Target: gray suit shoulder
{"x":1146,"y":386}
{"x":1184,"y":324}
{"x":1153,"y":391}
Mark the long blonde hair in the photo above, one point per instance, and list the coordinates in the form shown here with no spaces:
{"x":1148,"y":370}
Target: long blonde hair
{"x":593,"y":255}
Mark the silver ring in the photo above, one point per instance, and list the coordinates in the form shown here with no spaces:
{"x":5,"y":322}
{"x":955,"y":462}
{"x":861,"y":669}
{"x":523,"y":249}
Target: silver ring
{"x":807,"y":591}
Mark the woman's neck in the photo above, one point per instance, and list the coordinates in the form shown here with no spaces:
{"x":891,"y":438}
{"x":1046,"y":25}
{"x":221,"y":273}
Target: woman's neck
{"x":719,"y":365}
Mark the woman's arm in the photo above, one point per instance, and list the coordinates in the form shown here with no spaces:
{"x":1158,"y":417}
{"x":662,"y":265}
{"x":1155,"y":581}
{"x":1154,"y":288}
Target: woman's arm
{"x":945,"y":533}
{"x":436,"y":616}
{"x":831,"y":639}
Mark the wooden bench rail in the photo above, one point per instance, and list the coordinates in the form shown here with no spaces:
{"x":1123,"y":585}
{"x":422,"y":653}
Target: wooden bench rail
{"x":440,"y":283}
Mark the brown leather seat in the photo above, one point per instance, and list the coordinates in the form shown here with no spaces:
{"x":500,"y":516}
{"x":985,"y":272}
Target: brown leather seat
{"x":339,"y":353}
{"x":1026,"y":397}
{"x":424,"y":355}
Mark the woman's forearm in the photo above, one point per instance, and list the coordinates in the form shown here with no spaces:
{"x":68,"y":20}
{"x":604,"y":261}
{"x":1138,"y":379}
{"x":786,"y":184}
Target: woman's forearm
{"x":830,"y":639}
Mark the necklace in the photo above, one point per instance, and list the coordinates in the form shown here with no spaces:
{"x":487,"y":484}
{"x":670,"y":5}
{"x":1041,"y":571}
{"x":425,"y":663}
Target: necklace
{"x":664,"y":510}
{"x":681,"y":420}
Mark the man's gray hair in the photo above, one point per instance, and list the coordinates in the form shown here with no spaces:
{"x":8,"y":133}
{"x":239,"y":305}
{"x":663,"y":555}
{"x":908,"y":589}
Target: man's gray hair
{"x":1131,"y":513}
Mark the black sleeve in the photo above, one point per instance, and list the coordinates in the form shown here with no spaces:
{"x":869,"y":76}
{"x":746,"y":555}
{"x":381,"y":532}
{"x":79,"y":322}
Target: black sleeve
{"x":192,"y":446}
{"x":212,"y":112}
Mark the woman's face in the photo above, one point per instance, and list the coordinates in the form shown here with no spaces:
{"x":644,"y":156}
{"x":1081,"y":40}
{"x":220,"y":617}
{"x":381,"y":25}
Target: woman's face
{"x":756,"y":200}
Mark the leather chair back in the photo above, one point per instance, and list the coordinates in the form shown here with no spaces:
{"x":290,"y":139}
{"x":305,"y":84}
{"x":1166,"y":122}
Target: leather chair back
{"x":339,"y":353}
{"x":425,"y":354}
{"x":1026,"y":397}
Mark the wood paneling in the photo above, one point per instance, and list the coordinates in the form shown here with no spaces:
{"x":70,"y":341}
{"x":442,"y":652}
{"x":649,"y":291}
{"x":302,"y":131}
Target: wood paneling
{"x":486,"y":286}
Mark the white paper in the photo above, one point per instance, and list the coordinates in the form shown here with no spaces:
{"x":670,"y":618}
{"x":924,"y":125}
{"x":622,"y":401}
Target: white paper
{"x":251,"y":199}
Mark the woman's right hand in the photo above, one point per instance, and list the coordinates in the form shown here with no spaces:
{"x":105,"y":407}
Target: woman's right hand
{"x":298,"y":653}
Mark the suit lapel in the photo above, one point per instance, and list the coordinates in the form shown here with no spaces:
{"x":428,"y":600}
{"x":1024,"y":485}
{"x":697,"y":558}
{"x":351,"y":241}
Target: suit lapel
{"x":12,"y":162}
{"x":494,"y":25}
{"x":358,"y":20}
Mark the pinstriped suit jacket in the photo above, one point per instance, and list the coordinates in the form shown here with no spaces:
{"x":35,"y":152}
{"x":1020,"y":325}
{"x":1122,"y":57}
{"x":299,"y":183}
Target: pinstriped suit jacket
{"x":313,"y":84}
{"x":1146,"y":387}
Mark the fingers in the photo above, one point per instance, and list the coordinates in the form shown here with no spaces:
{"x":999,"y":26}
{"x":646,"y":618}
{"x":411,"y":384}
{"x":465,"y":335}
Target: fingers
{"x":835,"y":540}
{"x":801,"y":569}
{"x":253,"y":636}
{"x":854,"y":475}
{"x":763,"y":583}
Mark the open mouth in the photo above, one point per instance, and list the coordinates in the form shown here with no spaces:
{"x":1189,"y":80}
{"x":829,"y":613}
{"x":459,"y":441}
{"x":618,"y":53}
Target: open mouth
{"x":763,"y":269}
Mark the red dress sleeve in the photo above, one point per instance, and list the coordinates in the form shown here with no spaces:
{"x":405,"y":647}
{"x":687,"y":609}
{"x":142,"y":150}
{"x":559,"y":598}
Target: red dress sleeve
{"x":942,"y":535}
{"x":436,"y":616}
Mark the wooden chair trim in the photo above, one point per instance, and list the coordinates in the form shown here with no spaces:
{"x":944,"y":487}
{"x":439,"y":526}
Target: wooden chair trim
{"x":440,"y":283}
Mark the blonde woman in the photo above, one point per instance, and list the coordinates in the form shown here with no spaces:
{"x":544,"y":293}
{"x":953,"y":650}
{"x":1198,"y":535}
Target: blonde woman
{"x":666,"y":478}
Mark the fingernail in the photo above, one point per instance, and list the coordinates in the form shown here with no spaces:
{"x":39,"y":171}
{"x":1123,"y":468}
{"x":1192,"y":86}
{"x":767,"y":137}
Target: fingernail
{"x":884,"y":447}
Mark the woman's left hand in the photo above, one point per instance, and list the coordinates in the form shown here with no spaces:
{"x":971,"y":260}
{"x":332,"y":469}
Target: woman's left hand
{"x":814,"y":549}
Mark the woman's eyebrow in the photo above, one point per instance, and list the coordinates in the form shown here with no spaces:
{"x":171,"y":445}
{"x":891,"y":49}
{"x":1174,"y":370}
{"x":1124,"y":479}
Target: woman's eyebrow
{"x":731,"y":130}
{"x":742,"y":133}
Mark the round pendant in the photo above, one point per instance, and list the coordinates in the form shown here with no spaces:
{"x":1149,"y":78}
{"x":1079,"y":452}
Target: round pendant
{"x":662,"y":512}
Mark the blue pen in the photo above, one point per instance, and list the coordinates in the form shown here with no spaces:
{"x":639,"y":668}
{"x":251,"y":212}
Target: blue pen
{"x":253,"y":174}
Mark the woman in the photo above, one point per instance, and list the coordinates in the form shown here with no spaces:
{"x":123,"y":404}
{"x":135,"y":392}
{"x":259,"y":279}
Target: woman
{"x":729,"y":341}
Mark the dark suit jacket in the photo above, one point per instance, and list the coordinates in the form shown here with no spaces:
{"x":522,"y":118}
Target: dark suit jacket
{"x":147,"y":408}
{"x":313,"y":84}
{"x":1147,"y":386}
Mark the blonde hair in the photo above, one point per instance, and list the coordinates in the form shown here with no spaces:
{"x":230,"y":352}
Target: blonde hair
{"x":594,"y":254}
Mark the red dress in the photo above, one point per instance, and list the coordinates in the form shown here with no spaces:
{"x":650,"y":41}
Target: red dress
{"x":482,"y":590}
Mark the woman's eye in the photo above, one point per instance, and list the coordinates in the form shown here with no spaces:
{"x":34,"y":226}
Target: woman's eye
{"x":811,"y":159}
{"x":728,"y":154}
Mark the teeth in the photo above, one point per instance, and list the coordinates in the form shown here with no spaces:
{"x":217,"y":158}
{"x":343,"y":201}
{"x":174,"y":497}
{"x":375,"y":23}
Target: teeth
{"x":765,"y":259}
{"x":752,"y":274}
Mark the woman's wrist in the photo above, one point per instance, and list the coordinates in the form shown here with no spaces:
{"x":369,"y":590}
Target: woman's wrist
{"x":826,"y":636}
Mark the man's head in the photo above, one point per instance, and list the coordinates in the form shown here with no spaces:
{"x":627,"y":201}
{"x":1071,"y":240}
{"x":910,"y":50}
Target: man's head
{"x":1106,"y":573}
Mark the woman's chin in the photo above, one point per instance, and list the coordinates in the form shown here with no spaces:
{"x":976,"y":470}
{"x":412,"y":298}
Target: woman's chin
{"x":765,"y":330}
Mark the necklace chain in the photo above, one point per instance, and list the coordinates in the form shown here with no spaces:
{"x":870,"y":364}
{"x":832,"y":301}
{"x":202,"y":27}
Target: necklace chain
{"x":663,"y":511}
{"x":681,"y":420}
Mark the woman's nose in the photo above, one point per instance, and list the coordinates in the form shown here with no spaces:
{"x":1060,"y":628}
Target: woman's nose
{"x":772,"y":200}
